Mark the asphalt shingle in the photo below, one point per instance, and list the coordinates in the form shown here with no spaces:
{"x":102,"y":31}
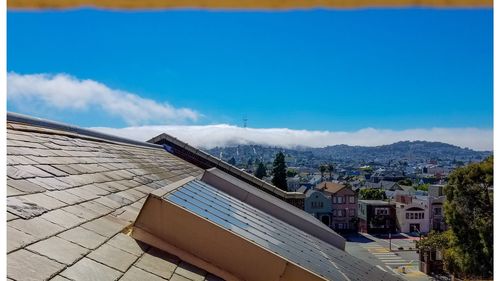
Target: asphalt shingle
{"x":69,"y":198}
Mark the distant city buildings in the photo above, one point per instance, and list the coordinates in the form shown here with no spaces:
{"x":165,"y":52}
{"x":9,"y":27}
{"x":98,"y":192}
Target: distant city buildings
{"x":411,"y":174}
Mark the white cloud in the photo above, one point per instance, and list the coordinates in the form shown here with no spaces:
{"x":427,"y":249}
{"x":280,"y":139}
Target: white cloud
{"x":221,"y":135}
{"x":66,"y":92}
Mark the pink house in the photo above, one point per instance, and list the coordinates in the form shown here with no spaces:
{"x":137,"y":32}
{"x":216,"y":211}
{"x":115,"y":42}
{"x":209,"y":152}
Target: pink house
{"x":344,"y":206}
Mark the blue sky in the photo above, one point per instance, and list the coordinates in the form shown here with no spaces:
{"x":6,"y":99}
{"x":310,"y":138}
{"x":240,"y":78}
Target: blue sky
{"x":334,"y":70}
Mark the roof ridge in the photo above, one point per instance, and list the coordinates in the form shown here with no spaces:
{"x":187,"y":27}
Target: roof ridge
{"x":59,"y":126}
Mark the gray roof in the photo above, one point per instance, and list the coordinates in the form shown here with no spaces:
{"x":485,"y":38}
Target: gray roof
{"x":387,"y":185}
{"x":407,"y":188}
{"x":302,"y":189}
{"x":71,"y":197}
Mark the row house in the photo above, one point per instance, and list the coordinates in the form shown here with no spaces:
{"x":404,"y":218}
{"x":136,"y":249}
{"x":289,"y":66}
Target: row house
{"x":436,"y":200}
{"x":319,"y":205}
{"x":376,"y":216}
{"x":343,"y":205}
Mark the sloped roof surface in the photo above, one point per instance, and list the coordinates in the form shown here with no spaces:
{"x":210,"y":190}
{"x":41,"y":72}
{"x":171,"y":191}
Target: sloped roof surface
{"x":330,"y":187}
{"x":70,"y":201}
{"x":272,"y":234}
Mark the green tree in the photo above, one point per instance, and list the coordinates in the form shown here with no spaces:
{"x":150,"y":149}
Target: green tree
{"x":423,"y":187}
{"x":279,"y":172}
{"x":232,"y":161}
{"x":405,"y":182}
{"x":469,"y":215}
{"x":435,"y":241}
{"x":291,"y":173}
{"x":250,"y":163}
{"x":260,"y":172}
{"x":329,"y":169}
{"x":322,"y":170}
{"x":372,"y":194}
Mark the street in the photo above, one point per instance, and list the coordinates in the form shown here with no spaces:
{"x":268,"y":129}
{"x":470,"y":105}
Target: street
{"x":375,"y":250}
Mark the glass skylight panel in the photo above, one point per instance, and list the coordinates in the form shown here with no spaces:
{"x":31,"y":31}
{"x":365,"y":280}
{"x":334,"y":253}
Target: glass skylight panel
{"x":272,"y":234}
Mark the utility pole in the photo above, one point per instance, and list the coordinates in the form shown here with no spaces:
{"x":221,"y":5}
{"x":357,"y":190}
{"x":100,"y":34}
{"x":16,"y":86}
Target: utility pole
{"x":390,"y":241}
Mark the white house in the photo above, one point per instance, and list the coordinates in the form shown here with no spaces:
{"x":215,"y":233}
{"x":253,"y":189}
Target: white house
{"x":412,"y":213}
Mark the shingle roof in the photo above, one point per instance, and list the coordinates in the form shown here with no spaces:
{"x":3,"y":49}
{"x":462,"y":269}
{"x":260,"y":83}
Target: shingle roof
{"x":71,"y":198}
{"x":330,"y":187}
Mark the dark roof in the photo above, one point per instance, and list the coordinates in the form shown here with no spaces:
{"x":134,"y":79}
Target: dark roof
{"x":71,"y":197}
{"x":206,"y":161}
{"x":239,"y":223}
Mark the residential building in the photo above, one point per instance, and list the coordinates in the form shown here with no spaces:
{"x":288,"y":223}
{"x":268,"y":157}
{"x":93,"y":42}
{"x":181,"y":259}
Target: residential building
{"x":83,"y":205}
{"x":344,"y":203}
{"x":386,"y":185}
{"x":436,"y":204}
{"x":412,"y":213}
{"x":376,"y":216}
{"x":319,"y":205}
{"x":293,"y":183}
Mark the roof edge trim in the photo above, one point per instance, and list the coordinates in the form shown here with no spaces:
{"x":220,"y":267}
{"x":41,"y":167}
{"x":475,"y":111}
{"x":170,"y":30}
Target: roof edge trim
{"x":49,"y":124}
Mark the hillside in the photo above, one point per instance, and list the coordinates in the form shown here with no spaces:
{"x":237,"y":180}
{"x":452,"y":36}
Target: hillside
{"x":404,"y":151}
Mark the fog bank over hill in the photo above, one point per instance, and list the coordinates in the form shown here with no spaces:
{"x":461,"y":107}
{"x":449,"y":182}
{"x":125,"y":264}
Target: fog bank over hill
{"x":224,"y":135}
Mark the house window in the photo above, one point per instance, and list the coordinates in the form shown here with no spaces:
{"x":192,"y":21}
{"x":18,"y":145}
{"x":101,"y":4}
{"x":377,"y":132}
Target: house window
{"x":351,"y":212}
{"x":340,"y":226}
{"x":381,"y":211}
{"x":407,"y":215}
{"x":437,"y":211}
{"x":339,"y":199}
{"x":316,"y":205}
{"x":351,"y":199}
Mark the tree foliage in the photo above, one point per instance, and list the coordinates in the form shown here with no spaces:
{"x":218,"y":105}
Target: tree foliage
{"x":329,"y":169}
{"x":322,"y":170}
{"x":279,"y":172}
{"x":469,"y":214}
{"x":405,"y":182}
{"x":423,"y":187}
{"x":232,"y":161}
{"x":250,"y":163}
{"x":372,"y":194}
{"x":435,"y":241}
{"x":260,"y":172}
{"x":291,"y":173}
